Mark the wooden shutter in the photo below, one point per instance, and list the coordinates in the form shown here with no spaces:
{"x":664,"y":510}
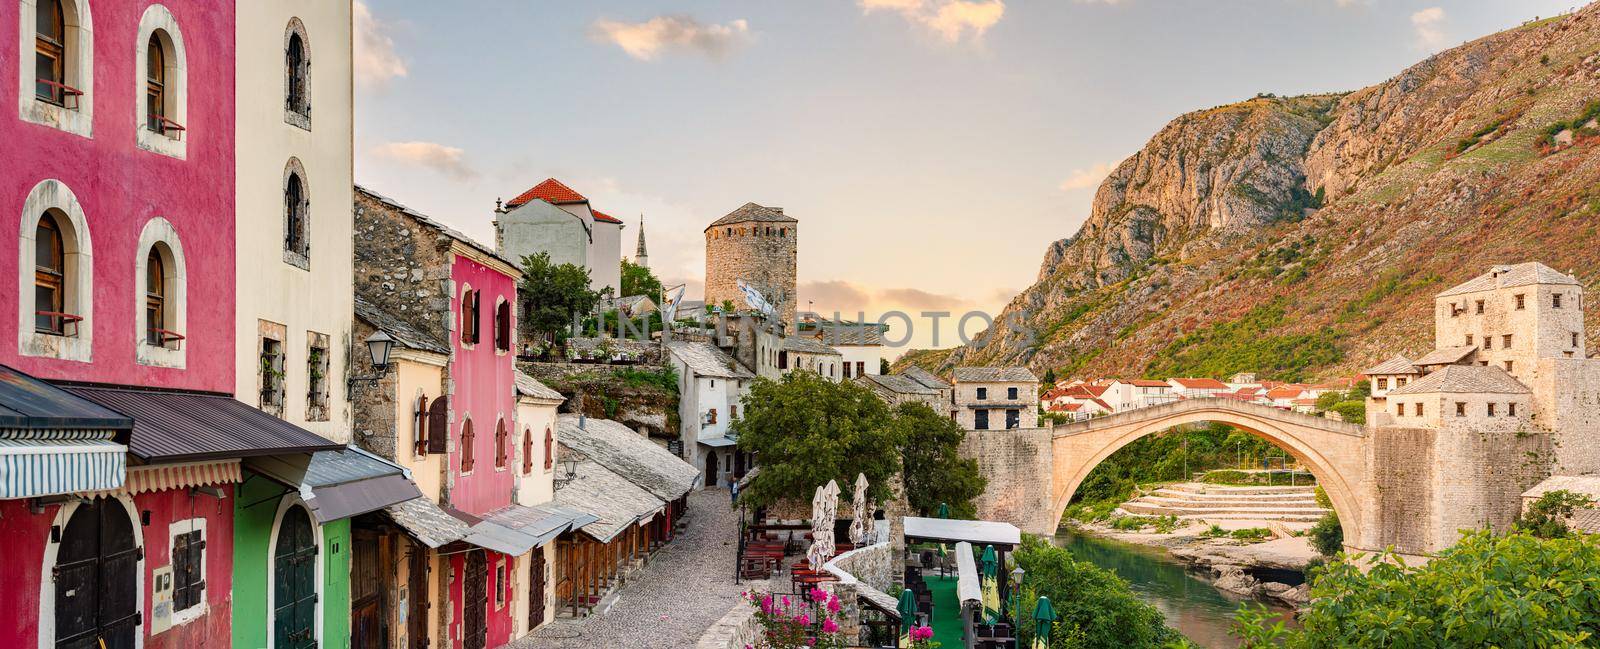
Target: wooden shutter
{"x":549,"y":448}
{"x":477,"y":316}
{"x":467,"y":459}
{"x":502,"y":326}
{"x":438,"y":425}
{"x":500,"y":444}
{"x":419,"y":438}
{"x":527,"y":451}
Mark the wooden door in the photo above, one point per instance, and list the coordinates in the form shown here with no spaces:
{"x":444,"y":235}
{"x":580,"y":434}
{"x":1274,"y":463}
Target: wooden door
{"x":366,"y":592}
{"x":294,"y":582}
{"x":475,"y":631}
{"x":417,"y":617}
{"x":536,"y":587}
{"x":96,"y":579}
{"x":711,"y":470}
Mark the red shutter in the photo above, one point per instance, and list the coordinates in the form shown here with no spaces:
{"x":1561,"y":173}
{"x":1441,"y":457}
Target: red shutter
{"x":500,"y":444}
{"x":527,"y":451}
{"x":466,"y":446}
{"x":549,"y":449}
{"x":419,"y":440}
{"x":439,"y":425}
{"x":477,"y":316}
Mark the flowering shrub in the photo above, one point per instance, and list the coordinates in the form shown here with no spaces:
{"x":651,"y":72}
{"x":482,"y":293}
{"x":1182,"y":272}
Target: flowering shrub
{"x":795,"y":622}
{"x":922,"y":638}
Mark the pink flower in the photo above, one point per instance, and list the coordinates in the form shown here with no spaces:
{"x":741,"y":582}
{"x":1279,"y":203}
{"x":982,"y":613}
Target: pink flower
{"x":829,"y":626}
{"x":833,"y":604}
{"x":785,"y":602}
{"x":802,"y":619}
{"x":921,"y":633}
{"x":817,"y":594}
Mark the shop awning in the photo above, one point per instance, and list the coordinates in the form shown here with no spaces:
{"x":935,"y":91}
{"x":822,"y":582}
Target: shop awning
{"x":339,"y":484}
{"x":427,"y":522}
{"x":719,"y":442}
{"x":947,"y":530}
{"x":516,"y":529}
{"x":173,"y":426}
{"x":54,"y":442}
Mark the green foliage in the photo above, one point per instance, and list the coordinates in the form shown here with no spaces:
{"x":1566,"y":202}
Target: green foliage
{"x":1354,"y":412}
{"x":639,"y":280}
{"x":1161,"y":524}
{"x":553,"y":295}
{"x":1247,"y":344}
{"x":1162,"y":458}
{"x":1094,"y":607}
{"x":1251,"y":534}
{"x":883,"y":366}
{"x":808,"y":430}
{"x":1515,"y":590}
{"x":934,"y":471}
{"x":1321,"y":496}
{"x":1214,"y":532}
{"x":1392,"y":282}
{"x":1327,"y":536}
{"x":663,"y":378}
{"x":1547,"y":517}
{"x":1591,"y":112}
{"x":634,"y":328}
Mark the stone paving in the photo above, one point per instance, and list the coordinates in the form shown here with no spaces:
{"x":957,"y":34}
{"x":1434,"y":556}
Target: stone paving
{"x":687,"y":587}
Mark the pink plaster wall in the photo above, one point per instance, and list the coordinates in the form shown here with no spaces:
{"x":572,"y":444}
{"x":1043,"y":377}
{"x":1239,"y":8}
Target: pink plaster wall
{"x":484,"y":392}
{"x":24,"y":537}
{"x":121,"y":187}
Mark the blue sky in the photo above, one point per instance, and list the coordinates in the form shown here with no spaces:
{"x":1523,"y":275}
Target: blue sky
{"x":931,"y":149}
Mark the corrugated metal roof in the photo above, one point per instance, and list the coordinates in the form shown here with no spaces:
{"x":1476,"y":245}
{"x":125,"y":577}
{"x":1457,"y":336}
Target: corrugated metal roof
{"x":349,"y":464}
{"x":31,"y":404}
{"x":180,"y":426}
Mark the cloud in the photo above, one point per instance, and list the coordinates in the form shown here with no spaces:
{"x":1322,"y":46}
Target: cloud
{"x":375,"y":62}
{"x":1086,"y":178}
{"x":649,"y":39}
{"x":1353,"y":3}
{"x":1428,"y":26}
{"x":447,"y":160}
{"x":949,"y":19}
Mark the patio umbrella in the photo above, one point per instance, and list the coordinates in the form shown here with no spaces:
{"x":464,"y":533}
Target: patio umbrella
{"x":991,"y":585}
{"x":944,"y":510}
{"x":859,"y":526}
{"x":1043,"y":616}
{"x":816,"y":553}
{"x":908,"y":615}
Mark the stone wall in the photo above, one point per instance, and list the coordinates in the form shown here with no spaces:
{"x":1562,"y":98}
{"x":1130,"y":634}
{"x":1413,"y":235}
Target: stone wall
{"x":1566,"y":396}
{"x":736,"y":630}
{"x":372,"y":404}
{"x":766,"y":263}
{"x":1019,"y":468}
{"x":602,"y":348}
{"x":1401,"y":467}
{"x":402,"y":267}
{"x":864,"y":569}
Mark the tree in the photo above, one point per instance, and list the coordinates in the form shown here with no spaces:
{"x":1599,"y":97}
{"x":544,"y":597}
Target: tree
{"x":934,"y":471}
{"x":1547,"y":517}
{"x":1049,"y":378}
{"x":808,"y":430}
{"x":553,"y":295}
{"x":1094,"y":607}
{"x":639,"y":280}
{"x":1327,"y":535}
{"x":1515,"y":590}
{"x":883,"y":366}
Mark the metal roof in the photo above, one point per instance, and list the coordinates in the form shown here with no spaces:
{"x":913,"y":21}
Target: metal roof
{"x":950,"y":531}
{"x":339,"y":484}
{"x":184,"y":426}
{"x":31,"y":404}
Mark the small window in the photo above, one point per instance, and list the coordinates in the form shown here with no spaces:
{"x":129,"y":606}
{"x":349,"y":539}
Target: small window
{"x":502,"y":450}
{"x":1383,"y":383}
{"x":155,"y":299}
{"x":1493,"y":411}
{"x":1520,"y":302}
{"x":861,"y":370}
{"x":500,"y":584}
{"x":502,"y":326}
{"x":1574,"y":339}
{"x":317,"y":363}
{"x":295,"y":212}
{"x":711,"y":416}
{"x":1461,"y":409}
{"x":50,"y":58}
{"x":549,"y":448}
{"x":419,"y":425}
{"x":188,"y":568}
{"x":1480,"y":307}
{"x":1011,"y":394}
{"x":1400,"y":409}
{"x":1469,"y":340}
{"x":1508,"y":366}
{"x":297,"y":68}
{"x":49,"y":275}
{"x":1506,"y":341}
{"x":1488,"y":342}
{"x":983,"y":393}
{"x":733,"y":411}
{"x":467,"y":438}
{"x":271,"y":375}
{"x":527,"y":451}
{"x":1511,"y":409}
{"x":1401,"y":381}
{"x":980,"y":419}
{"x":1013,"y":419}
{"x":155,"y":98}
{"x":1417,"y":410}
{"x":1555,"y":300}
{"x":847,"y":370}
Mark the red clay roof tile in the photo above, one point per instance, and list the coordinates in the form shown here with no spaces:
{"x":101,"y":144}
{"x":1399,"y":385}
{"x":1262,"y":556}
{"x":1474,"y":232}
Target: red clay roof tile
{"x":550,"y":191}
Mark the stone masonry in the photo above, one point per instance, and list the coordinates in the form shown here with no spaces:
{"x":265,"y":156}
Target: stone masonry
{"x":758,"y":245}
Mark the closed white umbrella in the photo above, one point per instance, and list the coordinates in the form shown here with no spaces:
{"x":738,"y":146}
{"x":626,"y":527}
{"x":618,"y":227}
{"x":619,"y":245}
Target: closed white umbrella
{"x":816,"y":554}
{"x":830,"y":513}
{"x":861,"y":527}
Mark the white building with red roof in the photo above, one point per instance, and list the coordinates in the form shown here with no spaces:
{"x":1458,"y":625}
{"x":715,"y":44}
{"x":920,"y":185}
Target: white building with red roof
{"x":1196,"y":388}
{"x":552,"y":218}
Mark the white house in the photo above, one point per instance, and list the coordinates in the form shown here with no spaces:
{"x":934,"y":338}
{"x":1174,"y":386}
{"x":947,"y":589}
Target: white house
{"x":1137,"y":393}
{"x":711,"y":386}
{"x":1190,"y":388}
{"x":552,"y":218}
{"x":860,"y":346}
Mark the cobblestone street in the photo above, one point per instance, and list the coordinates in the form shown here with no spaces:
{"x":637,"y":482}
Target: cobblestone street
{"x":687,"y":587}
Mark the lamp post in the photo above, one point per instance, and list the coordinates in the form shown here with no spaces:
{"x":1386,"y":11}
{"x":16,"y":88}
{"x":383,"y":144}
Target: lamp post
{"x":1016,"y":595}
{"x":569,"y":470}
{"x":379,"y":346}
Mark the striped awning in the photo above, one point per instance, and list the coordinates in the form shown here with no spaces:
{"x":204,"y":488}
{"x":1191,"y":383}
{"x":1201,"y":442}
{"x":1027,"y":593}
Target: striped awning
{"x":161,"y":477}
{"x":47,"y":466}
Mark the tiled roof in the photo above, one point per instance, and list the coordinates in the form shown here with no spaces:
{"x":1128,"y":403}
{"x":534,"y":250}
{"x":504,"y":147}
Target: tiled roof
{"x":1285,"y":392}
{"x":1064,"y":407}
{"x":808,"y":345}
{"x":401,"y":331}
{"x":531,"y":387}
{"x":926,"y":378}
{"x":628,"y":454}
{"x":1444,"y":356}
{"x":1201,"y":384}
{"x":753,"y":212}
{"x":1509,"y":275}
{"x":603,"y":217}
{"x":1147,"y":383}
{"x":850,"y":334}
{"x":899,"y":384}
{"x":1471,"y":379}
{"x":550,"y":191}
{"x":704,"y":359}
{"x":1588,"y":485}
{"x":994,"y":375}
{"x":1397,"y":365}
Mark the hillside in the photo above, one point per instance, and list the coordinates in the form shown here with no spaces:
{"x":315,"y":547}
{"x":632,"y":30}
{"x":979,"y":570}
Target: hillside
{"x":1305,"y":237}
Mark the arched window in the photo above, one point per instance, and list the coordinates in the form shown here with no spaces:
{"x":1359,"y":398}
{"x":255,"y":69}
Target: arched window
{"x":163,"y":73}
{"x":155,"y":85}
{"x":296,"y":216}
{"x":49,"y":275}
{"x":466,"y":446}
{"x":50,"y":47}
{"x":297,"y":75}
{"x":159,"y":295}
{"x":502,"y":452}
{"x":155,"y":299}
{"x":549,"y":448}
{"x":57,"y":45}
{"x":527,"y":451}
{"x":502,"y":326}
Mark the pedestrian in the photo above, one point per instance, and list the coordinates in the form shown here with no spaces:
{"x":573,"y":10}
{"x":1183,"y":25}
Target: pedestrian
{"x":733,"y":491}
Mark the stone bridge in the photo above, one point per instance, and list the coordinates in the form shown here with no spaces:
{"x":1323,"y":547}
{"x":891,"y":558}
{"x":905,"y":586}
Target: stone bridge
{"x":1334,"y":451}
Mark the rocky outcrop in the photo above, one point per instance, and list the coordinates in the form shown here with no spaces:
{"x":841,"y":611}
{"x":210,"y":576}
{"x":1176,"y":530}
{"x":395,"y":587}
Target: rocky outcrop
{"x":1348,"y":210}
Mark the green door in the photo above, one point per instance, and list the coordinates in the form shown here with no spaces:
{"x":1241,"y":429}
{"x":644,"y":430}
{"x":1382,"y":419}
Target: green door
{"x":294,"y":574}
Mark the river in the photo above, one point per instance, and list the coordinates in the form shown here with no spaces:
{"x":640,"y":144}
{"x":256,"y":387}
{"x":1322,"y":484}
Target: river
{"x":1190,"y":603}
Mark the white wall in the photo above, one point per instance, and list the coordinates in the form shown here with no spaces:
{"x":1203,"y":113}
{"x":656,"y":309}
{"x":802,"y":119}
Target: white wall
{"x":539,"y":486}
{"x":319,"y":299}
{"x":538,"y":226}
{"x":870,"y":356}
{"x":605,"y":257}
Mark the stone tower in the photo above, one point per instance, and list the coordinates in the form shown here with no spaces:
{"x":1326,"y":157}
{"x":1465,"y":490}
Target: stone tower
{"x":640,"y":257}
{"x":758,"y":245}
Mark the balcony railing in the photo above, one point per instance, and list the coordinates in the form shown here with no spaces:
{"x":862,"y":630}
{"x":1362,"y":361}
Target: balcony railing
{"x":61,"y":324}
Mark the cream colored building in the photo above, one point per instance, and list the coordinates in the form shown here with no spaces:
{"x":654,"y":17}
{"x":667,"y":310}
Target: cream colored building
{"x":996,"y":398}
{"x":535,"y":457}
{"x":293,"y":199}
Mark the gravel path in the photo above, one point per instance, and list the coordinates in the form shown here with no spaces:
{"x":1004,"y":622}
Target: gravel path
{"x":687,"y":587}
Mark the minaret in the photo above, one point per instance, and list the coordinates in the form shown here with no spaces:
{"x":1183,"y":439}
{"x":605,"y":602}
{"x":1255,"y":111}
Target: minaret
{"x":640,"y":257}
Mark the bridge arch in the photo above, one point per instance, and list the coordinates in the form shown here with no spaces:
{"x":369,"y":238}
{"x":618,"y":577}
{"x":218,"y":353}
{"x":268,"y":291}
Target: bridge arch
{"x":1334,"y":451}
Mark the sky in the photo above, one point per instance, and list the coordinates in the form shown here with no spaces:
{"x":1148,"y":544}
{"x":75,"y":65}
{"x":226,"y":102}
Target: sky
{"x":931,"y":149}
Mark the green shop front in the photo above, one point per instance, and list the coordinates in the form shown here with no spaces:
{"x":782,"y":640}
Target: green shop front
{"x":292,"y":544}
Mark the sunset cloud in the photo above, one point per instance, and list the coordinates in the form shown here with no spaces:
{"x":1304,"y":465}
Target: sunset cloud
{"x":447,"y":160}
{"x":375,"y":61}
{"x":949,"y":19}
{"x":1086,"y":178}
{"x":649,"y":39}
{"x":1428,"y":26}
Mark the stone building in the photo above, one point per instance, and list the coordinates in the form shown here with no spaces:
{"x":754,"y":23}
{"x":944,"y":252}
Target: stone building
{"x":896,"y":389}
{"x":711,"y":387}
{"x":552,"y":218}
{"x":805,"y":353}
{"x":758,"y":245}
{"x":996,"y":398}
{"x":945,"y":390}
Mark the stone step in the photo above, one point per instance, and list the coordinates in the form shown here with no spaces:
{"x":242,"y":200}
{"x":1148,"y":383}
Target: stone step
{"x":1189,"y":495}
{"x":1194,"y":487}
{"x":1281,"y":517}
{"x":1264,"y":512}
{"x":1224,"y":504}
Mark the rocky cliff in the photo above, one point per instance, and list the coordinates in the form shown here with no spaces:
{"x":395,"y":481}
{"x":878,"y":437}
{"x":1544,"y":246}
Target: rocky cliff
{"x":1304,"y":237}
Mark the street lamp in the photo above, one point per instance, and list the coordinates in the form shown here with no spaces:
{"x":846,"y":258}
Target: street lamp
{"x":569,"y":470}
{"x":379,"y":346}
{"x":1016,"y":595}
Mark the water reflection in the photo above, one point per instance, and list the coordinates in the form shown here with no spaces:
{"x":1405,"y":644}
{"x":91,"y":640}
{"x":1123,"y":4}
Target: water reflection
{"x":1191,"y":605}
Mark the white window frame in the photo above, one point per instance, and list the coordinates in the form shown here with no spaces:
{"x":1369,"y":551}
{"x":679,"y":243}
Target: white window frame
{"x":157,"y":17}
{"x":177,"y":528}
{"x":78,"y":254}
{"x":79,"y":70}
{"x":159,"y":230}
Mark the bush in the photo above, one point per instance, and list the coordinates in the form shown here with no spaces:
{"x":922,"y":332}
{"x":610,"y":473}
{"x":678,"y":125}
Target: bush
{"x":1547,"y":517}
{"x":1094,"y":607}
{"x":1327,"y":536}
{"x":1251,"y":534}
{"x":1247,"y":344}
{"x":1354,"y":412}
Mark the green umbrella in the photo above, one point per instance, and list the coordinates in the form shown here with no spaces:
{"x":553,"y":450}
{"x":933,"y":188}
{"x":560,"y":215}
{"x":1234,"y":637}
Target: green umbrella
{"x":908,"y":615}
{"x":991,"y":585}
{"x":944,"y":510}
{"x":1043,"y":615}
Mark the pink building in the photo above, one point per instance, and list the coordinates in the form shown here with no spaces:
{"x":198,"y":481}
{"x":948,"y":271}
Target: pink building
{"x":120,"y":441}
